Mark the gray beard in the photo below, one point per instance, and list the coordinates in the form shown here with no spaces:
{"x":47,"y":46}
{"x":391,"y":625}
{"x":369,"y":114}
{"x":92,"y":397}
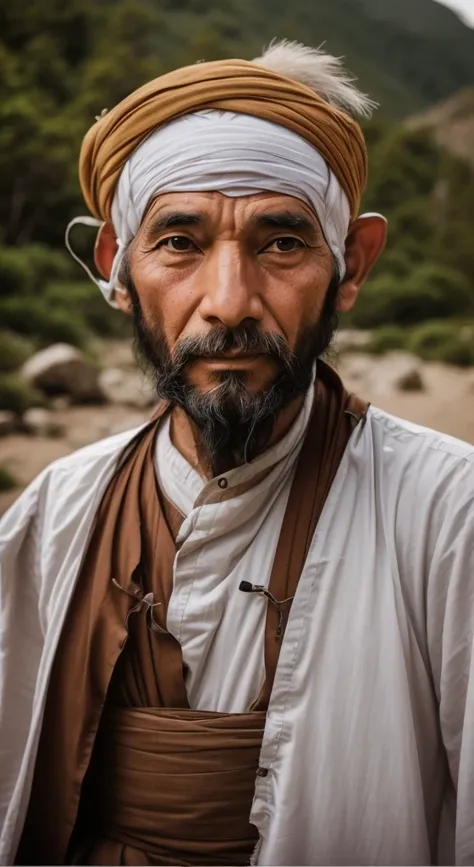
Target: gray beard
{"x":231,"y":424}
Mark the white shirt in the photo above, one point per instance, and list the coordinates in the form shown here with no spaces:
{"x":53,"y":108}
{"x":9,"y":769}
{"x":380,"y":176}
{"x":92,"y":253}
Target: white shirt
{"x":228,"y":536}
{"x":368,"y":749}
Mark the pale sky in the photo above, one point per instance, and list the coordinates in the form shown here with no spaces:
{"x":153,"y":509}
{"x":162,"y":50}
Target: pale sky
{"x":465,"y":8}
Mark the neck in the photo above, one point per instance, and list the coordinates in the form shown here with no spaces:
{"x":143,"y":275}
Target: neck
{"x":186,"y":438}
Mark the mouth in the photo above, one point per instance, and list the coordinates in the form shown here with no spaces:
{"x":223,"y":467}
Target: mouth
{"x":230,"y":354}
{"x":233,"y":359}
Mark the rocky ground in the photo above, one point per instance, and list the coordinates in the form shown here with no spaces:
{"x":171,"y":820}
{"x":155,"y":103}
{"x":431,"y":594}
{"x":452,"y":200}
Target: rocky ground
{"x":429,"y":394}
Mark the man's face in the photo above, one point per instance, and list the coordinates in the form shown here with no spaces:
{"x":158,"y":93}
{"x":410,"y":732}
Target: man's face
{"x":229,"y":301}
{"x":202,"y":260}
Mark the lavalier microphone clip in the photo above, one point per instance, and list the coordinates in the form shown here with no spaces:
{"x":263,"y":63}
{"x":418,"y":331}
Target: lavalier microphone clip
{"x":247,"y":587}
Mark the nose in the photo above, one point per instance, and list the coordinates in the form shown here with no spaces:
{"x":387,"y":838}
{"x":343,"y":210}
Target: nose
{"x":232,"y":291}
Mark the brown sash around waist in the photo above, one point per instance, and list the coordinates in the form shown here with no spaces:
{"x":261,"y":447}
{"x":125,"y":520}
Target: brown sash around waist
{"x":151,"y":762}
{"x":119,"y":743}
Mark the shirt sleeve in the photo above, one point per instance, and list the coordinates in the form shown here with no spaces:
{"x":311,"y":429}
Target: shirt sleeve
{"x":450,"y":634}
{"x":21,"y":644}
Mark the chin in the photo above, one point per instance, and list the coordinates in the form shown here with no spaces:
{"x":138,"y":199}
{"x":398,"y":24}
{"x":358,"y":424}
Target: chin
{"x":256,"y":377}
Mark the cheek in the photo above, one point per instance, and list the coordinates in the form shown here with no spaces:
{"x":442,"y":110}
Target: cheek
{"x":168,"y":300}
{"x":296,"y":301}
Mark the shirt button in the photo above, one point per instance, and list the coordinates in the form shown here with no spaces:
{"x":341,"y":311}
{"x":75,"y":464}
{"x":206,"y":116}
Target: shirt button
{"x":222,"y":483}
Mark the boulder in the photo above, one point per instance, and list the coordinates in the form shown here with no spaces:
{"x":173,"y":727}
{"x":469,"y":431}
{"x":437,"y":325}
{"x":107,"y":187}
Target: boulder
{"x":127,"y":387}
{"x":63,"y":369}
{"x":8,"y":422}
{"x":42,"y":422}
{"x":60,"y":403}
{"x":410,"y":380}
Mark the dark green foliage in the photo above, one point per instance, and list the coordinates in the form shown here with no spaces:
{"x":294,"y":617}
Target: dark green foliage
{"x":386,"y":339}
{"x":35,"y":318}
{"x":458,"y":352}
{"x":25,"y":270}
{"x":16,"y":395}
{"x":449,"y":342}
{"x":7,"y":481}
{"x":427,"y":270}
{"x":86,"y":301}
{"x":445,"y":341}
{"x":429,"y":291}
{"x":14,"y":351}
{"x":57,"y":72}
{"x":15,"y":272}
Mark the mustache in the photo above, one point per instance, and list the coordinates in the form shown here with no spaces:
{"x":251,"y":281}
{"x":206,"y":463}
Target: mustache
{"x":246,"y":339}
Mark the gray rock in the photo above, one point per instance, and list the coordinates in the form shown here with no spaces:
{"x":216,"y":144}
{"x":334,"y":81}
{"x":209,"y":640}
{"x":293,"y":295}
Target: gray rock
{"x":8,"y":422}
{"x":63,"y":369}
{"x":404,"y":372}
{"x":127,"y":387}
{"x":41,"y":422}
{"x":61,"y":402}
{"x":411,"y":380}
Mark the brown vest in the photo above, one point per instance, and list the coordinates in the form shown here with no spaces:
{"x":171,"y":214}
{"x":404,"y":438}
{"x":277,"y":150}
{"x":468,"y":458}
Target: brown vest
{"x":126,"y":772}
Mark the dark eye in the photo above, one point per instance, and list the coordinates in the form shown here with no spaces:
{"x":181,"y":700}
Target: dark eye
{"x":284,"y":245}
{"x":177,"y":243}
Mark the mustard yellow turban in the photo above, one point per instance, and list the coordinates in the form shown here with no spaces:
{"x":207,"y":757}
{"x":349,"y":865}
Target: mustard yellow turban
{"x":233,"y":85}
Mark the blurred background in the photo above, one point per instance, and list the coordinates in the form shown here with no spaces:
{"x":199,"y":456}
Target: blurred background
{"x":67,"y":374}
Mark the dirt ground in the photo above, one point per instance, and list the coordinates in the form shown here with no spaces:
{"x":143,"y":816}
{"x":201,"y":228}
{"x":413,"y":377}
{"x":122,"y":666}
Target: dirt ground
{"x":25,"y":456}
{"x":446,"y":404}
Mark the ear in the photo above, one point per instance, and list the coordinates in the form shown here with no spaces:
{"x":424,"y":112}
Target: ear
{"x":104,"y":254}
{"x":105,"y":250}
{"x":364,"y":244}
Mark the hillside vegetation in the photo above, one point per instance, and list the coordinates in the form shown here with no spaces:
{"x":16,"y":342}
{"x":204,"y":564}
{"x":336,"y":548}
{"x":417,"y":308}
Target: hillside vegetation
{"x":63,"y":61}
{"x":452,"y":123}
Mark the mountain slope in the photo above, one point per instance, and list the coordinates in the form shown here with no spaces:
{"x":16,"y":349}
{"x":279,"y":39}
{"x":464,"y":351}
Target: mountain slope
{"x":62,"y":63}
{"x":408,"y":54}
{"x":452,"y":122}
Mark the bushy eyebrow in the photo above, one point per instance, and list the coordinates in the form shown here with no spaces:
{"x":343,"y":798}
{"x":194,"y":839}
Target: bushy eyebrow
{"x":283,"y":220}
{"x":287,"y":221}
{"x":171,"y":220}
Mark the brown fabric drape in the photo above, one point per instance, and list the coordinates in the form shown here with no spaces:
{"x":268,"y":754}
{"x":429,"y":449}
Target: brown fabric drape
{"x":233,"y":85}
{"x":170,"y":787}
{"x":124,"y":703}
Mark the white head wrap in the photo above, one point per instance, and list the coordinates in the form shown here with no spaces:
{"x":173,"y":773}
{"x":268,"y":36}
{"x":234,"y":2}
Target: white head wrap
{"x":234,"y":154}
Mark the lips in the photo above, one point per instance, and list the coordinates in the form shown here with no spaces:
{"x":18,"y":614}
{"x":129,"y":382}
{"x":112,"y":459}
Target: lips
{"x":234,"y":356}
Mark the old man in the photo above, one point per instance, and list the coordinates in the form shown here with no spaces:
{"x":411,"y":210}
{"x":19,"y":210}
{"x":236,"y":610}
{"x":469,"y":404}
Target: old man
{"x":243,"y":632}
